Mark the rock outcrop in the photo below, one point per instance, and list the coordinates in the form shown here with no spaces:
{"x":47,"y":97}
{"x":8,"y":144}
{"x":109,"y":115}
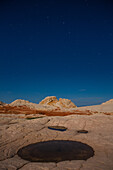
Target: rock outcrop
{"x":108,"y":102}
{"x":31,"y":105}
{"x":17,"y":133}
{"x":62,"y":103}
{"x":19,"y":102}
{"x":2,"y":104}
{"x":66,"y":103}
{"x":53,"y":104}
{"x":52,"y":100}
{"x":104,"y":107}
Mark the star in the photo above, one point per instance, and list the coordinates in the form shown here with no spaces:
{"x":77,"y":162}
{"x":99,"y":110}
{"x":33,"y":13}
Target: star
{"x":63,"y":22}
{"x":99,"y":53}
{"x":110,"y":34}
{"x":69,"y":32}
{"x":47,"y":17}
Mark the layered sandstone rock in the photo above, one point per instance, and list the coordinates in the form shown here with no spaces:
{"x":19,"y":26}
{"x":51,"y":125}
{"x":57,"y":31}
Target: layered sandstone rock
{"x":52,"y":103}
{"x":62,"y":103}
{"x":66,"y":103}
{"x":2,"y":104}
{"x":31,"y":105}
{"x":108,"y":102}
{"x":17,"y":133}
{"x":104,"y":107}
{"x":19,"y":102}
{"x":52,"y":100}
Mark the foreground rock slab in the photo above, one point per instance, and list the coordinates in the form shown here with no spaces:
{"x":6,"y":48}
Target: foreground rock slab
{"x":16,"y":133}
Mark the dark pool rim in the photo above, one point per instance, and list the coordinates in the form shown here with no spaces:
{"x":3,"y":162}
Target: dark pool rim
{"x":58,"y":128}
{"x":82,"y":131}
{"x":56,"y":151}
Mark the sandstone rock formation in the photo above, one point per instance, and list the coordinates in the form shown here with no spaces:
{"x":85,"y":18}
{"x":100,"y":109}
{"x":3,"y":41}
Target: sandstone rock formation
{"x":108,"y":102}
{"x":39,"y":107}
{"x":16,"y":133}
{"x":104,"y":107}
{"x":2,"y":104}
{"x":52,"y":100}
{"x":19,"y":102}
{"x":62,"y":103}
{"x":66,"y":103}
{"x":18,"y":129}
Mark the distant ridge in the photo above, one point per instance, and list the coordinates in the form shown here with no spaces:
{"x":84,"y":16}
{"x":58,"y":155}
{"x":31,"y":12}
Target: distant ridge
{"x":108,"y":102}
{"x":104,"y":107}
{"x":19,"y":102}
{"x":49,"y":103}
{"x":52,"y":103}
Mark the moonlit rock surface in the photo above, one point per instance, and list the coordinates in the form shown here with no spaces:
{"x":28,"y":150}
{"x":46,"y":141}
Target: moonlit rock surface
{"x":16,"y":133}
{"x":108,"y":102}
{"x":104,"y":107}
{"x":52,"y":103}
{"x":52,"y":100}
{"x":31,"y":105}
{"x":62,"y":103}
{"x":19,"y":102}
{"x":66,"y":103}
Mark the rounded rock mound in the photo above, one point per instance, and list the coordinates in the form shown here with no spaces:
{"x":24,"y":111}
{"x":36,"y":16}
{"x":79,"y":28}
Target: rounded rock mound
{"x":19,"y":102}
{"x":66,"y":103}
{"x":61,"y":103}
{"x":50,"y":100}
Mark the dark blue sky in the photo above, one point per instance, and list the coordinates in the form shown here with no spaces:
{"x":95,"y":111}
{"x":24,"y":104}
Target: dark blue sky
{"x":56,"y":47}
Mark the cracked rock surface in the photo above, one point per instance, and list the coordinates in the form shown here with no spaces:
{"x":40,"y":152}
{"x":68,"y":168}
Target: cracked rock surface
{"x":16,"y":133}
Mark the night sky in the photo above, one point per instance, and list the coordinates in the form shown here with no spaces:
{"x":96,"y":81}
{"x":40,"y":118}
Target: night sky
{"x":61,"y":48}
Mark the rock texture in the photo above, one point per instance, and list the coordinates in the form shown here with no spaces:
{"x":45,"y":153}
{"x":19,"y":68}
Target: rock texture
{"x":30,"y":105}
{"x":52,"y":100}
{"x":108,"y":102}
{"x":50,"y":106}
{"x":23,"y":123}
{"x":19,"y":102}
{"x":104,"y":107}
{"x":66,"y":103}
{"x":62,"y":103}
{"x":2,"y":104}
{"x":16,"y":133}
